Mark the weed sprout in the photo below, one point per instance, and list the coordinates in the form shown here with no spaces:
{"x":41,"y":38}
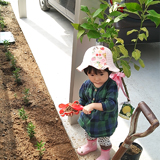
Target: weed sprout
{"x":13,"y":62}
{"x":40,"y":148}
{"x":8,"y":55}
{"x":22,"y":114}
{"x":5,"y":42}
{"x":30,"y":130}
{"x":26,"y":95}
{"x":2,"y":24}
{"x":17,"y":76}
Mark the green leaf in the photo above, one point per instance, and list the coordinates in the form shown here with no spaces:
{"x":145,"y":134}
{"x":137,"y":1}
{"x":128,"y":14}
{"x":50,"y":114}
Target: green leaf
{"x":103,"y":7}
{"x":43,"y":144}
{"x":126,"y":68}
{"x":97,"y":12}
{"x":120,"y":17}
{"x":111,"y":44}
{"x":122,"y":57}
{"x":136,"y":54}
{"x":130,"y":32}
{"x":85,"y":9}
{"x":153,"y":13}
{"x":145,"y":30}
{"x":93,"y":34}
{"x":142,"y":36}
{"x":141,"y":63}
{"x":114,"y":56}
{"x":103,"y":1}
{"x":133,"y":12}
{"x":81,"y":38}
{"x":95,"y":25}
{"x":80,"y":33}
{"x":75,"y":25}
{"x":148,"y":1}
{"x":115,"y":13}
{"x":133,"y":7}
{"x":102,"y":31}
{"x":133,"y":40}
{"x":103,"y":25}
{"x":87,"y":26}
{"x":119,"y":40}
{"x":142,"y":1}
{"x":100,"y":15}
{"x":115,"y":52}
{"x":154,"y":19}
{"x":106,"y":35}
{"x":151,"y":2}
{"x":123,"y":50}
{"x":136,"y":67}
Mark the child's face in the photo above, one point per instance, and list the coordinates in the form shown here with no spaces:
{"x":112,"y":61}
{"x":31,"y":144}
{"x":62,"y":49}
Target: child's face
{"x":98,"y":79}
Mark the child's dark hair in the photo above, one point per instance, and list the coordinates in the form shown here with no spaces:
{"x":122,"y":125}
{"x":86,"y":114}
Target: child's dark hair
{"x":90,"y":68}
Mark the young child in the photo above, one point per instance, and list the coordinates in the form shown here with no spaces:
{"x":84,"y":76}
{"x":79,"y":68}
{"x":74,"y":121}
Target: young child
{"x":98,"y":95}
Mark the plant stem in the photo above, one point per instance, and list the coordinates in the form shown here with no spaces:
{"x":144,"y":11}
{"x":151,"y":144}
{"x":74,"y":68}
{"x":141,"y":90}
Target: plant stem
{"x":142,"y":20}
{"x":125,"y":88}
{"x":124,"y":84}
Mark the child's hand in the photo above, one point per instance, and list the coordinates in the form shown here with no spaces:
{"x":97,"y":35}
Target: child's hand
{"x":87,"y":109}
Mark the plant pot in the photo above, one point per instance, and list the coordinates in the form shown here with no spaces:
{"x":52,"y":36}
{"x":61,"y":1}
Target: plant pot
{"x":129,"y":155}
{"x":22,"y":8}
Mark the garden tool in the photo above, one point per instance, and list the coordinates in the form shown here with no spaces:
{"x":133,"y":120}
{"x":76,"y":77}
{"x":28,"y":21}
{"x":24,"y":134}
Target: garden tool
{"x":66,"y":109}
{"x":142,"y":107}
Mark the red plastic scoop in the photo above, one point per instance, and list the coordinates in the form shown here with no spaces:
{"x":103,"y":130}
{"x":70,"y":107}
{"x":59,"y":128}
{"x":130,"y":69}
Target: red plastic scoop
{"x":67,"y":109}
{"x":75,"y":105}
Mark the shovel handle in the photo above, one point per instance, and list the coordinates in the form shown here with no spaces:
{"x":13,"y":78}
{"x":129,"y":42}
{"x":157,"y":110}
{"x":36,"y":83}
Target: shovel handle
{"x":142,"y":107}
{"x":148,"y":114}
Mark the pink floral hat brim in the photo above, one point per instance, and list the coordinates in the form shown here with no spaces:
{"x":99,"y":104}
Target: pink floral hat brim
{"x":99,"y":57}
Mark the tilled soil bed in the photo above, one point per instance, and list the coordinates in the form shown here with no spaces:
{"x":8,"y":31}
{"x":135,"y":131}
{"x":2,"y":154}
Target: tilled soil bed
{"x":14,"y":140}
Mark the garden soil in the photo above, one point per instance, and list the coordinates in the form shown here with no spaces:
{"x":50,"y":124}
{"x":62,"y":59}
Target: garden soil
{"x":15,"y":144}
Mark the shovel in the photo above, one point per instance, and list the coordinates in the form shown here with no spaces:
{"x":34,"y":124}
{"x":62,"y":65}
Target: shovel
{"x":142,"y":107}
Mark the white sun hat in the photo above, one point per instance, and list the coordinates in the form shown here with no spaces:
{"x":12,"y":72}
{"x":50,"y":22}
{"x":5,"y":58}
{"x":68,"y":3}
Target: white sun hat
{"x":99,"y":57}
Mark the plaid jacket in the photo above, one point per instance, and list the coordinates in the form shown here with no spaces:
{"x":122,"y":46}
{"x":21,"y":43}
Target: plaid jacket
{"x":99,"y":123}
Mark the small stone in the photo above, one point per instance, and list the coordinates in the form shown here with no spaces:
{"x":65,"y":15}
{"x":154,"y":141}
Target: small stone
{"x":3,"y":135}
